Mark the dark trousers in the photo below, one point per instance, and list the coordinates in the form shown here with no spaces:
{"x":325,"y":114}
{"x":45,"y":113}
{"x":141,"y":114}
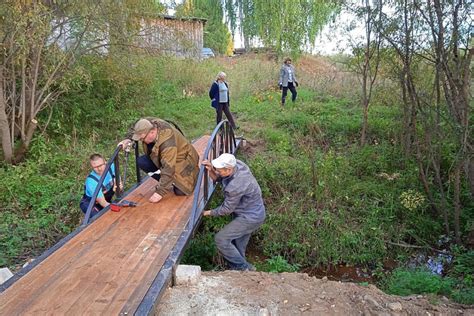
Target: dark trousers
{"x":84,"y":204}
{"x":146,"y":164}
{"x":285,"y":92}
{"x":224,"y":107}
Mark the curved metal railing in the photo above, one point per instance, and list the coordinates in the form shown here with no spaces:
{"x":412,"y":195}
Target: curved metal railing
{"x":222,"y":140}
{"x":112,"y":159}
{"x":119,"y":189}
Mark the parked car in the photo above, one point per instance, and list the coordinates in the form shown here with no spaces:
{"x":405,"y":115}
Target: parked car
{"x":206,"y":52}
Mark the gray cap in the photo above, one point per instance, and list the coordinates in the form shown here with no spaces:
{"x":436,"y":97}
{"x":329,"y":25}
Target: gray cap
{"x":141,"y":127}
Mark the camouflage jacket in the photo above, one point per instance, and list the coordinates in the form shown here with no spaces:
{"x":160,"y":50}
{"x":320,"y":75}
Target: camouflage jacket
{"x":175,"y":157}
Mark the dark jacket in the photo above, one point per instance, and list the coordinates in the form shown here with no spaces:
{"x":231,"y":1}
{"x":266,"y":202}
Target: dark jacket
{"x":214,"y":94}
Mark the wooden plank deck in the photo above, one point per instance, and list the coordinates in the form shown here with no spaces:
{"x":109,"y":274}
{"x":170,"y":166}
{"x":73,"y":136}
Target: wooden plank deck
{"x":109,"y":266}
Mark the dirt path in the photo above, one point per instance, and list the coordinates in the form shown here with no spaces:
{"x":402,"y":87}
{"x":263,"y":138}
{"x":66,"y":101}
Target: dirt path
{"x":258,"y":293}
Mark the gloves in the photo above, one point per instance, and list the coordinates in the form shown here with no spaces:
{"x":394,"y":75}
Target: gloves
{"x":281,"y":86}
{"x":297,"y":84}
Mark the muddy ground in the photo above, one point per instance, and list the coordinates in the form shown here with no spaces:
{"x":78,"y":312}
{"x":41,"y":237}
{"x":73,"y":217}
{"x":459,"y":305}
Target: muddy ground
{"x":259,"y":293}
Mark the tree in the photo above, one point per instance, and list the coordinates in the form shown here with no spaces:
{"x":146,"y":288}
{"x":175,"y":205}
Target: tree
{"x":432,"y":42}
{"x":284,"y":25}
{"x":216,"y":33}
{"x":239,"y":14}
{"x":40,"y":42}
{"x":366,"y":52}
{"x":452,"y":51}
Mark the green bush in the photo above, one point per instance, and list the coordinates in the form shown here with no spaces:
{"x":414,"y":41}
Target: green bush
{"x":463,"y":265}
{"x":464,"y":296}
{"x":311,"y":237}
{"x":201,"y":251}
{"x":39,"y":205}
{"x":278,"y":264}
{"x":463,"y":272}
{"x":405,"y":282}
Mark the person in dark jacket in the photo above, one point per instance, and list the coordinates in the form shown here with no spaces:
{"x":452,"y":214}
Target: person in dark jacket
{"x":242,"y":199}
{"x":220,"y":100}
{"x":169,"y":156}
{"x":288,"y":80}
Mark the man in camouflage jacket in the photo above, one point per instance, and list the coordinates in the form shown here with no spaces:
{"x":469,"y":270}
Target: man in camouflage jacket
{"x":166,"y":150}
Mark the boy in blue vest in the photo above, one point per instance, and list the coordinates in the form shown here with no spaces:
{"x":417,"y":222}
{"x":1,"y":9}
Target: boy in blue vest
{"x":105,"y":195}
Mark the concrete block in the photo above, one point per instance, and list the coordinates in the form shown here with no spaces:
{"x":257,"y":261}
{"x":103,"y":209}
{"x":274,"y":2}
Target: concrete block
{"x":5,"y":274}
{"x":187,"y":275}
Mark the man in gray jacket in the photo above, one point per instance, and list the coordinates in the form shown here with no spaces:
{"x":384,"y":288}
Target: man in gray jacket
{"x":242,"y":199}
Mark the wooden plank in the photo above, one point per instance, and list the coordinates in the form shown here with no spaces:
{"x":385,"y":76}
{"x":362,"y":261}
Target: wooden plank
{"x":107,"y":266}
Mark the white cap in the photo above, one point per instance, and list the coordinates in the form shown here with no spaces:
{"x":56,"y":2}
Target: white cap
{"x":224,"y":161}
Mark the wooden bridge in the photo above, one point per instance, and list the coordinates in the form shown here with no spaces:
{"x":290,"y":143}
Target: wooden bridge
{"x":121,"y":262}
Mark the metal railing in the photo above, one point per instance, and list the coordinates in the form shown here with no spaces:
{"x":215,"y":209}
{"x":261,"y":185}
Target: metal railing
{"x":101,"y":182}
{"x":115,"y":160}
{"x":222,"y":140}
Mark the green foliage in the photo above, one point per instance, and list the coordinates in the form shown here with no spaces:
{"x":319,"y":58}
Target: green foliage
{"x":285,"y":25}
{"x":201,"y":251}
{"x":463,"y":272}
{"x":216,"y":33}
{"x":39,"y":204}
{"x":217,"y":36}
{"x":464,"y":296}
{"x":406,"y":282}
{"x":101,"y":88}
{"x":463,"y":265}
{"x":278,"y":264}
{"x":311,"y":238}
{"x":458,"y":284}
{"x":295,"y":122}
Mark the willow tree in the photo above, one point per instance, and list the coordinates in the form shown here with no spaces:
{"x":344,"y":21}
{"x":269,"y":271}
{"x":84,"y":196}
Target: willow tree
{"x":285,"y":25}
{"x":239,"y":15}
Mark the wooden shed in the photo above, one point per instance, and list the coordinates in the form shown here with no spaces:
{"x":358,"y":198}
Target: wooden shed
{"x":179,"y":36}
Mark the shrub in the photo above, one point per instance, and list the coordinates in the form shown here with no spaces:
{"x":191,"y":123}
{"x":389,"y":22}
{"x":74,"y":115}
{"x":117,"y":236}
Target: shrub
{"x":278,"y":264}
{"x":406,"y":282}
{"x":39,"y":205}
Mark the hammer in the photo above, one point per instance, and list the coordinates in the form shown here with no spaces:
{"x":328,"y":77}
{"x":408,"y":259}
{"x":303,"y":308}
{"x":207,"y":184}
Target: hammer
{"x":115,"y":207}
